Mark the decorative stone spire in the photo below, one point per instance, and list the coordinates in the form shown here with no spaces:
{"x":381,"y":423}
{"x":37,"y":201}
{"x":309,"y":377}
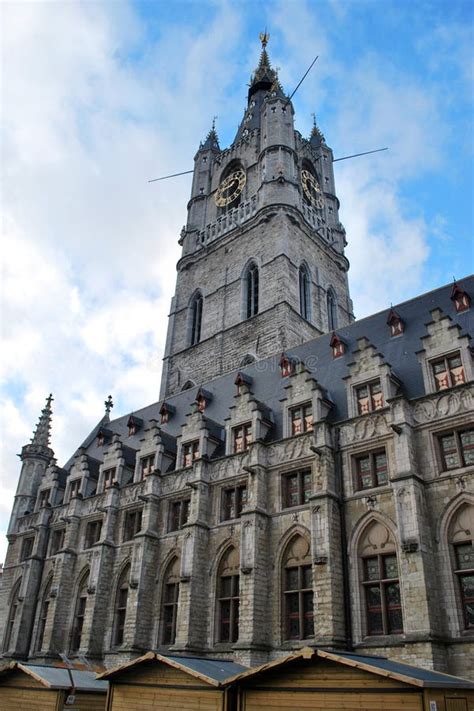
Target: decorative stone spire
{"x":109,"y":403}
{"x":42,"y":434}
{"x":264,"y":76}
{"x":317,"y":137}
{"x":212,"y":140}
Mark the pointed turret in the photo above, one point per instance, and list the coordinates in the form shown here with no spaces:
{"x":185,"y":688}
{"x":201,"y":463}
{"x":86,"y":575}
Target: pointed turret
{"x":212,"y":141}
{"x":42,"y":434}
{"x":317,"y":137}
{"x":265,"y":78}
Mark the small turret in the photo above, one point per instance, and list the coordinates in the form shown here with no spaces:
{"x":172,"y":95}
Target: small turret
{"x":317,"y":137}
{"x":35,"y":458}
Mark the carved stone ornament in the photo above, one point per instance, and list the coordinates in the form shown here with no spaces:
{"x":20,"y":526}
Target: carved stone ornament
{"x":289,"y":450}
{"x":444,"y":405}
{"x":133,"y":583}
{"x":370,"y":502}
{"x":321,"y":560}
{"x":91,"y":590}
{"x":246,"y":570}
{"x":410,"y":546}
{"x":365,"y":428}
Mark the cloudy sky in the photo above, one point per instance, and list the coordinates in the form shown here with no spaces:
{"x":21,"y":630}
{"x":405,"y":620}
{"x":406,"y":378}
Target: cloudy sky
{"x":99,"y":97}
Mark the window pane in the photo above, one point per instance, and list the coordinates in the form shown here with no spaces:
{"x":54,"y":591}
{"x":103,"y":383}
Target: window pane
{"x":467,"y":447}
{"x":448,"y":447}
{"x":391,"y":567}
{"x":296,"y":421}
{"x":292,"y":579}
{"x":306,"y":486}
{"x":307,"y":577}
{"x":381,"y":468}
{"x":392,"y":594}
{"x":226,"y":586}
{"x":170,"y":592}
{"x":373,"y":596}
{"x":467,"y":586}
{"x":374,"y":622}
{"x":465,"y":556}
{"x":395,"y":621}
{"x":372,"y":569}
{"x":364,"y":471}
{"x":363,"y":400}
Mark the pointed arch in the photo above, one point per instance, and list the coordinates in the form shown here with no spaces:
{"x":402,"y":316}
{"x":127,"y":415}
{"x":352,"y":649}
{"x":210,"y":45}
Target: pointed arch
{"x":228,"y":595}
{"x":304,"y":284}
{"x":188,"y":385}
{"x":43,"y":614}
{"x":297,"y":594}
{"x":170,"y":601}
{"x":376,"y":578}
{"x":331,"y":309}
{"x":15,"y":603}
{"x":196,"y":306}
{"x":247,"y":360}
{"x":79,"y":610}
{"x":120,"y":606}
{"x":250,"y":289}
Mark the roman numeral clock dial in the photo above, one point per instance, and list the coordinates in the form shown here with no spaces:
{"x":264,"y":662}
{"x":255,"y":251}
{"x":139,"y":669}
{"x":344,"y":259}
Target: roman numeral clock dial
{"x":311,"y":189}
{"x":230,"y":188}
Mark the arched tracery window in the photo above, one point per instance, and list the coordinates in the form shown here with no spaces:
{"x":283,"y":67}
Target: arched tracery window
{"x":298,"y":598}
{"x":12,"y":615}
{"x":228,"y":597}
{"x":331,"y":309}
{"x":196,"y":318}
{"x":251,"y":290}
{"x":461,"y":539}
{"x":380,"y":581}
{"x":121,"y":599}
{"x":79,"y":612}
{"x":304,"y":288}
{"x":170,"y":602}
{"x":43,"y":616}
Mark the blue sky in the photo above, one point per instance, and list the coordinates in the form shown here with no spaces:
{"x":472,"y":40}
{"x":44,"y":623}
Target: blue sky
{"x":99,"y":97}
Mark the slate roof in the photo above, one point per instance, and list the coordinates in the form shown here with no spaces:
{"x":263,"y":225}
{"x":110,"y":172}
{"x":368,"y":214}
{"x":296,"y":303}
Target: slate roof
{"x":268,"y":385}
{"x":58,"y":677}
{"x":213,"y":671}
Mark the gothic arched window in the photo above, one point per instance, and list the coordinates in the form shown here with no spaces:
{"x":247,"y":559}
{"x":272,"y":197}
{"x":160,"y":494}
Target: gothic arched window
{"x":304,"y":287}
{"x":170,"y":602}
{"x":251,"y":290}
{"x":331,"y":309}
{"x":228,"y":597}
{"x":380,"y":581}
{"x":14,"y":605}
{"x":121,"y":600}
{"x":298,"y":598}
{"x":462,"y":543}
{"x":43,"y":616}
{"x":196,"y":319}
{"x":79,"y":612}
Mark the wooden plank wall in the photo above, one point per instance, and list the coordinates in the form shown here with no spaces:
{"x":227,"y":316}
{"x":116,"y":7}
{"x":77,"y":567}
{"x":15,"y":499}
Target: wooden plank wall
{"x":272,"y":700}
{"x":27,"y":699}
{"x":149,"y":698}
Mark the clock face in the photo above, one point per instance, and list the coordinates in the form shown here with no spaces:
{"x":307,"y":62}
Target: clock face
{"x":311,"y":189}
{"x":230,"y":188}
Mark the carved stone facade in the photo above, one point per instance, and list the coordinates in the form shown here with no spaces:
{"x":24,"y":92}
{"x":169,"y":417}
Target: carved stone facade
{"x":324,"y":496}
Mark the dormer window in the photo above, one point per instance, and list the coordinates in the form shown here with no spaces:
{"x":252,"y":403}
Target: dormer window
{"x":100,"y":439}
{"x":369,"y":397}
{"x":243,"y":383}
{"x":190,"y":453}
{"x":74,"y":488}
{"x":242,"y":437}
{"x":301,"y":419}
{"x":460,"y":298}
{"x":147,"y":465}
{"x":396,"y":324}
{"x":448,"y":372}
{"x":338,"y":346}
{"x":132,"y":427}
{"x":109,"y":475}
{"x":286,"y":366}
{"x":44,"y":498}
{"x":202,"y":399}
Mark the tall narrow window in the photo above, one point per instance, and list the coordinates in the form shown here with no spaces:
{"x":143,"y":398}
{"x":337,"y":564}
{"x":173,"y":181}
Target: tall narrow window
{"x":304,"y":292}
{"x":79,"y":613}
{"x":228,"y":597}
{"x":331,"y":309}
{"x":43,"y":616}
{"x":461,"y":538}
{"x":121,"y":607}
{"x":448,"y":372}
{"x":242,"y":437}
{"x":170,"y":602}
{"x":380,"y":581}
{"x":298,"y":598}
{"x":14,"y":605}
{"x":369,"y":397}
{"x":196,"y":319}
{"x":252,"y":288}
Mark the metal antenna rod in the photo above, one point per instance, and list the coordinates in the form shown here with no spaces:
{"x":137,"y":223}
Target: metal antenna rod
{"x":366,"y":153}
{"x":301,"y":80}
{"x":174,"y":175}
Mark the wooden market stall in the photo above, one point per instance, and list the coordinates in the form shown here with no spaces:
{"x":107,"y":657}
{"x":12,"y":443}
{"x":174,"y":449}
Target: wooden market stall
{"x":320,"y":680}
{"x":35,"y":687}
{"x":157,"y":682}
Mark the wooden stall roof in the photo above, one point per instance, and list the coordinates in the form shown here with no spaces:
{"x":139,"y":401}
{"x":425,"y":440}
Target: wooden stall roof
{"x":213,"y":671}
{"x":58,"y":677}
{"x":382,"y":666}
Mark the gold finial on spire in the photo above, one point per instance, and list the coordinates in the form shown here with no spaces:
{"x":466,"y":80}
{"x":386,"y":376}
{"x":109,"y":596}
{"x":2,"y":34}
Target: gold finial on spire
{"x":264,"y":37}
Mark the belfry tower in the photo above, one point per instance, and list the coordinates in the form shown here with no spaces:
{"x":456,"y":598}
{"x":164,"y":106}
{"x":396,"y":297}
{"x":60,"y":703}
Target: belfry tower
{"x":263,"y":266}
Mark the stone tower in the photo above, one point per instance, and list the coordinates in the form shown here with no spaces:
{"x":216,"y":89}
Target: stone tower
{"x":263,"y":266}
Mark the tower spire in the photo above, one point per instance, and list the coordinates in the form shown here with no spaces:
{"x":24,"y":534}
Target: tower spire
{"x":264,"y":77}
{"x":212,"y":139}
{"x":42,"y":434}
{"x":317,"y":137}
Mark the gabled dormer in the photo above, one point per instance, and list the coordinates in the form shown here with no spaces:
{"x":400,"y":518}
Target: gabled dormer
{"x":371,"y":381}
{"x":305,"y":403}
{"x":200,"y":438}
{"x":249,"y":419}
{"x":118,"y":465}
{"x":157,"y":454}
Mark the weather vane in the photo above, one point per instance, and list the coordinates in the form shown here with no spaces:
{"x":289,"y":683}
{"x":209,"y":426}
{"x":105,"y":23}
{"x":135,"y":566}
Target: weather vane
{"x":264,"y":37}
